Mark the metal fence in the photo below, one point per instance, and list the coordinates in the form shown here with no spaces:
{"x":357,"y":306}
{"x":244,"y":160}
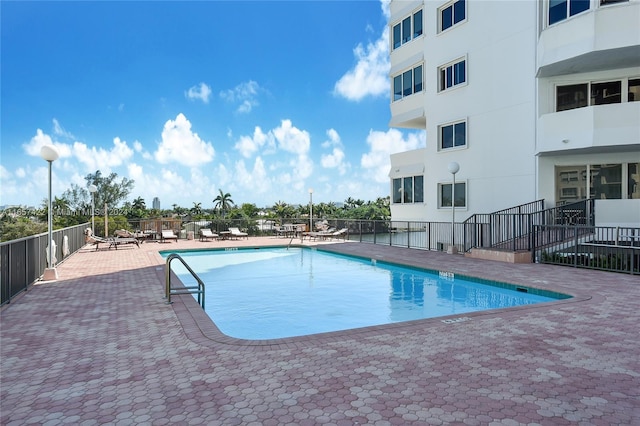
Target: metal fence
{"x":23,"y":261}
{"x":615,"y":249}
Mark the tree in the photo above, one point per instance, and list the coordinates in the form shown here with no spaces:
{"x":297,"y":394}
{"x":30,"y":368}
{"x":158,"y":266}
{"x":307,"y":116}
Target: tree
{"x":139,"y":204}
{"x":222,"y":202}
{"x":196,"y":210}
{"x":283,"y":210}
{"x":110,"y":191}
{"x":249,"y":209}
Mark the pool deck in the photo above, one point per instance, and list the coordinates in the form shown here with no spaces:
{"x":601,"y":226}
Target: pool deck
{"x":101,"y":346}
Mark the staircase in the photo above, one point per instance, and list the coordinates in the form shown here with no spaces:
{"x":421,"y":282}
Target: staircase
{"x":508,"y":235}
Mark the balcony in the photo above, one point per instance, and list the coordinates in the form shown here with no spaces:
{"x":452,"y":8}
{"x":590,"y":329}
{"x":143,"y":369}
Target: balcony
{"x":601,"y":39}
{"x":596,"y":128}
{"x":408,"y":112}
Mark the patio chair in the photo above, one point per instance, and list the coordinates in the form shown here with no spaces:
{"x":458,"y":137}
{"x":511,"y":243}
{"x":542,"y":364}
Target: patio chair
{"x":123,"y":233}
{"x":205,"y":234}
{"x":113,"y":242}
{"x":237,"y":233}
{"x":168,"y":234}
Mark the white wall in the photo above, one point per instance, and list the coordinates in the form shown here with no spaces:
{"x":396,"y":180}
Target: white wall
{"x":498,"y":101}
{"x":618,"y":213}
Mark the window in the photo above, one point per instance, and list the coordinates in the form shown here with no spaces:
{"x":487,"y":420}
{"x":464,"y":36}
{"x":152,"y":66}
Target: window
{"x":452,"y":75}
{"x":634,"y":90}
{"x":606,"y":93}
{"x":600,"y":93}
{"x":453,"y":135}
{"x":606,"y":181}
{"x":408,"y":190}
{"x":406,"y":30}
{"x":451,"y":14}
{"x":397,"y":41}
{"x":397,"y":191}
{"x":417,"y":79}
{"x":570,"y":97}
{"x":559,"y":10}
{"x":417,"y":24}
{"x":407,"y":83}
{"x":460,"y":194}
{"x":600,"y":181}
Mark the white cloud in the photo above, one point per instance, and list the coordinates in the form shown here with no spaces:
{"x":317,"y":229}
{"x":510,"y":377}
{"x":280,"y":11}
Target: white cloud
{"x":58,"y":130}
{"x":201,"y":92}
{"x":245,"y":94}
{"x":382,"y":145}
{"x":369,"y":76}
{"x":249,"y":145}
{"x":335,"y":159}
{"x":292,"y":139}
{"x":256,"y":180}
{"x":181,"y":145}
{"x":40,"y":139}
{"x":101,"y":159}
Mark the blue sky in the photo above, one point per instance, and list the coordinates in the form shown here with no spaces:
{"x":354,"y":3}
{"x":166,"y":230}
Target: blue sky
{"x":262,"y":99}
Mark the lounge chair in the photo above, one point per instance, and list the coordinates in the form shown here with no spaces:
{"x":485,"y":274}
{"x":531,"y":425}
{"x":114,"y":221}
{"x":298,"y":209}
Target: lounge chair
{"x":236,"y":233}
{"x":168,"y":234}
{"x":205,"y":234}
{"x":123,"y":233}
{"x":113,"y":242}
{"x":340,"y":233}
{"x":320,"y":234}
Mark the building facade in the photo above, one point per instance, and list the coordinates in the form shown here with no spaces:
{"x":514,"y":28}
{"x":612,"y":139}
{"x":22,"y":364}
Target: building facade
{"x":533,"y":99}
{"x":156,"y":203}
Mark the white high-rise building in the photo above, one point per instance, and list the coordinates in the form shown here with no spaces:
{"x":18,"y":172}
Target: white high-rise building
{"x":156,"y":203}
{"x":533,"y":99}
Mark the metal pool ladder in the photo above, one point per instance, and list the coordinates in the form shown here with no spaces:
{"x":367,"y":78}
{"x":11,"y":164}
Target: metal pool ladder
{"x":199,"y":289}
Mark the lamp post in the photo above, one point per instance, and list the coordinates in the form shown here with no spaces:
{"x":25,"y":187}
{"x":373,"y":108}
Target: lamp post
{"x":453,"y":169}
{"x":310,"y":209}
{"x":49,"y":154}
{"x":92,"y":190}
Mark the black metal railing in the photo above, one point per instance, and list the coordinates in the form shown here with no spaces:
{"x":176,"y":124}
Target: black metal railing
{"x":513,"y":229}
{"x":23,"y":261}
{"x":615,"y":249}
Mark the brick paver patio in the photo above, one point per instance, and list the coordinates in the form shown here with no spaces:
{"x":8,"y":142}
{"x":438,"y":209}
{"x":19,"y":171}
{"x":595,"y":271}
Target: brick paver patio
{"x":100,"y":346}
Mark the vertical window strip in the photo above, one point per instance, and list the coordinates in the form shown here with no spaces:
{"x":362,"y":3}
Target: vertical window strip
{"x":417,"y":24}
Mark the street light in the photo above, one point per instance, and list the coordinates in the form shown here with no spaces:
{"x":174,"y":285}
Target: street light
{"x":453,"y":169}
{"x":92,"y":190}
{"x":49,"y":154}
{"x":310,"y":209}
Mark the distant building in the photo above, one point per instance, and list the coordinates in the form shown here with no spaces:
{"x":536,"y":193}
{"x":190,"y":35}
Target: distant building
{"x":156,"y":203}
{"x":533,"y":99}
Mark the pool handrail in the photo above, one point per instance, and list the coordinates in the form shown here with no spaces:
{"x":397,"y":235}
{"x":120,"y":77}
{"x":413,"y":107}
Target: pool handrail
{"x":199,"y":289}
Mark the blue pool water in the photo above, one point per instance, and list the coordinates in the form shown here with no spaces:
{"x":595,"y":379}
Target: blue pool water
{"x":278,"y":292}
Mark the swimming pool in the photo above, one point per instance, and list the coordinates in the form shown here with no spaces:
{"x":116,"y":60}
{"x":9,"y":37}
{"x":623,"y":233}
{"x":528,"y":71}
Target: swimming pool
{"x":273,"y":293}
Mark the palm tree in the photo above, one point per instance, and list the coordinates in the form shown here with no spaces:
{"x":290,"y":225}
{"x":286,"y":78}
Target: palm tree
{"x":139,"y":204}
{"x":196,"y":209}
{"x":222,"y":202}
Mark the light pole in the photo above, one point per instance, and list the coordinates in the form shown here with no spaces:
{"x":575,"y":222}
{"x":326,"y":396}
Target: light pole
{"x":310,"y":209}
{"x":453,"y":169}
{"x":49,"y":154}
{"x":92,"y":190}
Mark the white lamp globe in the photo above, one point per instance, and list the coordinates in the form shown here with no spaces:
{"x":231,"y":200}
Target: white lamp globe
{"x":453,"y":167}
{"x":49,"y":153}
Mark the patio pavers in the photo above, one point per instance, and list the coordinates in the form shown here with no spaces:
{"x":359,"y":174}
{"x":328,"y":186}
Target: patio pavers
{"x":101,"y":346}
